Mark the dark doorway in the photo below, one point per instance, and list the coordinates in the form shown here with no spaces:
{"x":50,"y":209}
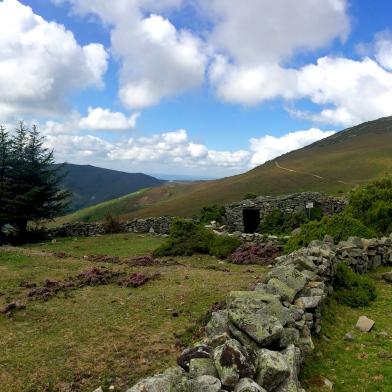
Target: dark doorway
{"x":251,"y":219}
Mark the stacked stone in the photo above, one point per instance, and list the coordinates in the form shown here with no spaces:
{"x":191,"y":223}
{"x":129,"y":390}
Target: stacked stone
{"x":365,"y":255}
{"x":287,"y":204}
{"x":78,"y":229}
{"x":159,"y":225}
{"x":259,"y":341}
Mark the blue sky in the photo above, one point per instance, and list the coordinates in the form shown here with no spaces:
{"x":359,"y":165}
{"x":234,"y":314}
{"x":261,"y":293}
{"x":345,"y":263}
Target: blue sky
{"x":192,"y":87}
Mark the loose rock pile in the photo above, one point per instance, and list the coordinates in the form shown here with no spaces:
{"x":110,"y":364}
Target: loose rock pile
{"x":258,"y":342}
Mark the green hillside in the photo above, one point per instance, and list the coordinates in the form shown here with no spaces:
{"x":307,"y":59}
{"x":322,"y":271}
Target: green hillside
{"x":333,"y":165}
{"x":91,"y":185}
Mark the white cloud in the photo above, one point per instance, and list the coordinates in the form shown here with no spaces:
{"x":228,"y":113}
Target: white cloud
{"x":157,"y":60}
{"x":250,"y":85}
{"x":176,"y":152}
{"x":269,"y":147}
{"x":41,"y":63}
{"x":357,"y":91}
{"x":99,"y":119}
{"x":266,"y":32}
{"x":383,"y":49}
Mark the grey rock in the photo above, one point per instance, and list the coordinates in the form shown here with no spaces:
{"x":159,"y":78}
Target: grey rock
{"x":292,"y":356}
{"x":349,"y":336}
{"x":205,"y":384}
{"x":308,"y":302}
{"x":218,"y":323}
{"x":170,"y":381}
{"x":290,"y":276}
{"x":248,"y":385}
{"x":198,"y":351}
{"x":261,"y":316}
{"x":289,"y":336}
{"x":202,"y":367}
{"x":365,"y":324}
{"x":233,"y":361}
{"x":272,"y":369}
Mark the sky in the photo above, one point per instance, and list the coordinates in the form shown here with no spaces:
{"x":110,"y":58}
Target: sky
{"x":207,"y":88}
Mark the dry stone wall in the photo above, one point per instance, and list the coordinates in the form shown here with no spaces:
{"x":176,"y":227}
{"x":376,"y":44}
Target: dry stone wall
{"x":160,"y":225}
{"x":258,"y":342}
{"x":289,"y":203}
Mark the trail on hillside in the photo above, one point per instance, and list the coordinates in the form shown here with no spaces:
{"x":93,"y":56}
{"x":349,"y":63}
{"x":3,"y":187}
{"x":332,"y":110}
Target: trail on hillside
{"x":309,"y":174}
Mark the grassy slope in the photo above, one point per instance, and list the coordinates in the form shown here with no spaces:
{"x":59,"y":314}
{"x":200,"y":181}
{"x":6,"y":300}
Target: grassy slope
{"x":354,"y":156}
{"x":105,"y":335}
{"x":353,"y":365}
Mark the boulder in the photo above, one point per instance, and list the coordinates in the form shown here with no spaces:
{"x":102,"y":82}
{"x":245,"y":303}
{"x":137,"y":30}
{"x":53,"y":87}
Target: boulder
{"x":288,"y":337}
{"x":173,"y":379}
{"x":290,"y":276}
{"x":248,"y":385}
{"x":218,"y":324}
{"x":232,"y":361}
{"x":198,"y":351}
{"x":308,"y":302}
{"x":365,"y":324}
{"x":205,"y":384}
{"x":292,"y":356}
{"x":261,"y":316}
{"x":272,"y":369}
{"x":277,"y":287}
{"x":202,"y":367}
{"x":387,"y":276}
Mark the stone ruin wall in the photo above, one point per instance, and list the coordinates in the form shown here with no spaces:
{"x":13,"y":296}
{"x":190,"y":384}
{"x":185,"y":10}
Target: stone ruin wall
{"x":259,"y":341}
{"x":233,"y":215}
{"x":288,"y":203}
{"x":160,"y":225}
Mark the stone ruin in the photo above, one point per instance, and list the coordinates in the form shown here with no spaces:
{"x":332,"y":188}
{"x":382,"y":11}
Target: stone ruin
{"x":159,"y":225}
{"x":245,"y":216}
{"x":259,"y":341}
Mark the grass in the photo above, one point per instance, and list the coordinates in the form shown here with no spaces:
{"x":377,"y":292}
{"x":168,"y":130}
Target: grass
{"x":349,"y":158}
{"x":104,"y":335}
{"x":353,"y":365}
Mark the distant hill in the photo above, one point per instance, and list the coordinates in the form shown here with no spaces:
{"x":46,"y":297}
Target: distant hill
{"x":92,"y":185}
{"x":333,"y":165}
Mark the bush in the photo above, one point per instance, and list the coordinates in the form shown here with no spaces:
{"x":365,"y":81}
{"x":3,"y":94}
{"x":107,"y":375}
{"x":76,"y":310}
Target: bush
{"x":255,"y":254}
{"x":250,"y":196}
{"x":340,"y":227}
{"x":278,"y":222}
{"x":353,"y":289}
{"x":111,"y":224}
{"x":223,"y":246}
{"x":212,"y":213}
{"x":187,"y":238}
{"x":373,"y":205}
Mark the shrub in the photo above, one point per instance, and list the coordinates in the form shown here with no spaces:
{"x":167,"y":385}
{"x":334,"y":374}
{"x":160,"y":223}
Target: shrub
{"x":223,"y":246}
{"x":250,"y":196}
{"x":340,"y":227}
{"x":185,"y":239}
{"x":255,"y":254}
{"x":212,"y":213}
{"x":372,"y":205}
{"x":278,"y":222}
{"x":353,"y":289}
{"x":111,"y":224}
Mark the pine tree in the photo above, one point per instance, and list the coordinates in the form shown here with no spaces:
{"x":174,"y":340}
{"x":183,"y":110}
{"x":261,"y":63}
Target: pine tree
{"x":35,"y":180}
{"x":5,"y":168}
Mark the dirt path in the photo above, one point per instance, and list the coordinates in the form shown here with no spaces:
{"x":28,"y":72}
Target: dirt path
{"x":309,"y":174}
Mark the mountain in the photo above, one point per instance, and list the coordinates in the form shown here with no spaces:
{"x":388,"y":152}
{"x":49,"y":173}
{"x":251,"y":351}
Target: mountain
{"x":92,"y":185}
{"x":333,"y":165}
